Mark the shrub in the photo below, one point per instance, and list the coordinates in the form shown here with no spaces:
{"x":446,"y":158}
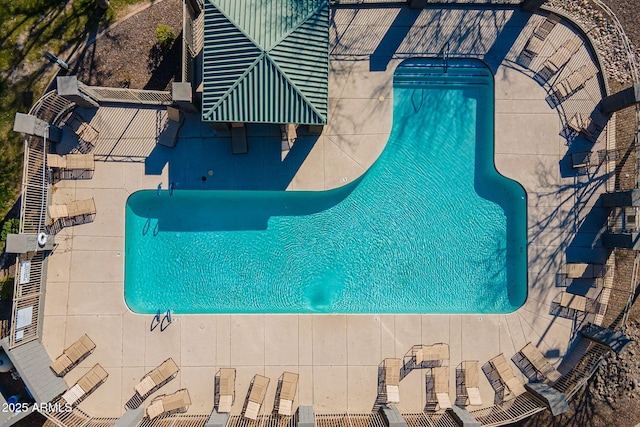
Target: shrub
{"x":10,"y":226}
{"x":6,"y":288}
{"x":165,"y":36}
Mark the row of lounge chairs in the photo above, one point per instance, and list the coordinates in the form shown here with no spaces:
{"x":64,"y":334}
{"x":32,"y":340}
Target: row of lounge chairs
{"x":499,"y":372}
{"x":258,"y":391}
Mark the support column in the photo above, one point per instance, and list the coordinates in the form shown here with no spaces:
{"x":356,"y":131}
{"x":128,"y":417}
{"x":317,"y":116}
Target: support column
{"x":621,"y":199}
{"x":182,"y":96}
{"x":623,"y":99}
{"x":69,"y":88}
{"x":531,"y":5}
{"x":306,"y":416}
{"x":417,"y":4}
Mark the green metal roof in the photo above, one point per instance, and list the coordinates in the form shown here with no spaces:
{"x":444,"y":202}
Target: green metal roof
{"x":266,"y":61}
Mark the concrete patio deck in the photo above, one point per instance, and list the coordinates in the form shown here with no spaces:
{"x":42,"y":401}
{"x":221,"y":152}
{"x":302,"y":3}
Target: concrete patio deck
{"x":337,"y":356}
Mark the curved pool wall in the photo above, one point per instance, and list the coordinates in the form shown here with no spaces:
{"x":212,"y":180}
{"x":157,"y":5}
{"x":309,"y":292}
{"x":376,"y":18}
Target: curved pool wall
{"x":431,"y":227}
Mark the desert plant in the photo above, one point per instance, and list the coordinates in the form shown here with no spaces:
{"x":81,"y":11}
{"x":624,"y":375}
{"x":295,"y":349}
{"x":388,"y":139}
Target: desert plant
{"x":10,"y":226}
{"x":165,"y":36}
{"x":6,"y":288}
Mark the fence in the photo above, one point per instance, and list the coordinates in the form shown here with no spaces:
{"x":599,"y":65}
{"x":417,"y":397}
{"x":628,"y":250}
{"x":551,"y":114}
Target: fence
{"x":28,"y":285}
{"x":121,"y":95}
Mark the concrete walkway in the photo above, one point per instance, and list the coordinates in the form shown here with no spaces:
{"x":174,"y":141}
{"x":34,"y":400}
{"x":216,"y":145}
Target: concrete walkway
{"x":337,"y":356}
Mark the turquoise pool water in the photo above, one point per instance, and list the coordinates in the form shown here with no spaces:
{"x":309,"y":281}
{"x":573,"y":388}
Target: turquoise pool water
{"x":430,"y":228}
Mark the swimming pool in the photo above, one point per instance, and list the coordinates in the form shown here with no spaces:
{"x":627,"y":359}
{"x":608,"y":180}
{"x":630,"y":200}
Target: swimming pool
{"x":431,"y":227}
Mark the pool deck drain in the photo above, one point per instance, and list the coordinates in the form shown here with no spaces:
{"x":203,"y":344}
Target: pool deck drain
{"x":337,"y":356}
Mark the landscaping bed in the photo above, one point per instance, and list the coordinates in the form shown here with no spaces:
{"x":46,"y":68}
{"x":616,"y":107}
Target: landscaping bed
{"x":130,"y":55}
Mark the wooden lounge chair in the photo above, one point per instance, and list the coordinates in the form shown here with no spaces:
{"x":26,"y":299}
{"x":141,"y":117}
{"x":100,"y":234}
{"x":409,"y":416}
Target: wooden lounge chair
{"x":533,"y":47}
{"x":543,"y":30}
{"x":72,"y":166}
{"x":226,"y":389}
{"x":472,"y":382}
{"x":287,"y":393}
{"x":392,"y":379}
{"x":540,"y":363}
{"x":169,"y":404}
{"x":169,"y":134}
{"x":256,"y":396}
{"x":87,"y":135}
{"x":569,"y":85}
{"x":588,"y":126}
{"x":506,"y":375}
{"x":157,"y":378}
{"x":585,"y":271}
{"x":78,"y":210}
{"x":73,"y":355}
{"x":85,"y":385}
{"x":572,"y":301}
{"x":560,"y":57}
{"x":430,"y":354}
{"x":239,"y":138}
{"x":438,"y":388}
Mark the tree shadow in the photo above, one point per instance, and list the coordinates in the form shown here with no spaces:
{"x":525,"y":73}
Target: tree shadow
{"x":165,"y":65}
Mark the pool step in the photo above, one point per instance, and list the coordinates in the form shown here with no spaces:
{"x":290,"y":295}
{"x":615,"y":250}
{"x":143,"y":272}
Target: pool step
{"x":432,"y":71}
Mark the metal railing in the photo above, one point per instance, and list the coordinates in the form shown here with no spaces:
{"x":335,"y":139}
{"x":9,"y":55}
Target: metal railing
{"x":123,"y":95}
{"x":28,"y":285}
{"x":510,"y":411}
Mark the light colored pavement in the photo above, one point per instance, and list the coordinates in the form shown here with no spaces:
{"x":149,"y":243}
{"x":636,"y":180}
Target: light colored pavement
{"x":337,"y":356}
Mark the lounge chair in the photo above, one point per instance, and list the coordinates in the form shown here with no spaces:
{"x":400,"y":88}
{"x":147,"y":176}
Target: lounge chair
{"x":438,"y":388}
{"x":571,"y":301}
{"x":78,"y":210}
{"x":239,"y":138}
{"x":506,"y":375}
{"x":581,"y":159}
{"x":430,"y":355}
{"x":85,"y":385}
{"x":287,"y":393}
{"x":392,"y":379}
{"x":559,"y":58}
{"x":169,"y":134}
{"x":472,"y":382}
{"x":540,"y":363}
{"x":569,"y":85}
{"x":87,"y":135}
{"x":226,"y":389}
{"x":585,"y":271}
{"x":157,"y":378}
{"x":588,"y":126}
{"x":545,"y":27}
{"x":169,"y":404}
{"x":72,"y":166}
{"x":73,"y":355}
{"x":256,"y":396}
{"x":533,"y":47}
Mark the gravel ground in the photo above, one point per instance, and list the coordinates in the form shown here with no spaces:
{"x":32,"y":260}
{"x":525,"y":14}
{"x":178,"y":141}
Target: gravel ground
{"x":127,"y":55}
{"x":628,"y":12}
